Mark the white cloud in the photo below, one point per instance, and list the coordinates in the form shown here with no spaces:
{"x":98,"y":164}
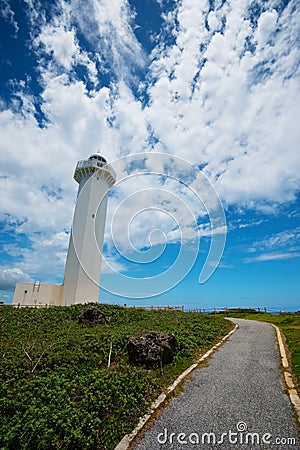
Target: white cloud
{"x":144,"y":210}
{"x":272,"y":257}
{"x":288,"y":239}
{"x":43,"y":256}
{"x":8,"y":14}
{"x":240,"y":114}
{"x":110,"y":265}
{"x":9,"y":277}
{"x":214,"y":21}
{"x":266,"y":27}
{"x":221,"y":265}
{"x":58,"y":41}
{"x":60,"y":240}
{"x":108,"y":27}
{"x":62,"y":43}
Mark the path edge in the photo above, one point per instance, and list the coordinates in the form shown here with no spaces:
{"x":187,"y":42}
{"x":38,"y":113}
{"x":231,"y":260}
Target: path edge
{"x":291,"y":388}
{"x":127,"y":440}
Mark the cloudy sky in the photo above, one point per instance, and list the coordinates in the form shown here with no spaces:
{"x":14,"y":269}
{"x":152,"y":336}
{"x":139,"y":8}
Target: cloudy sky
{"x":196,"y":104}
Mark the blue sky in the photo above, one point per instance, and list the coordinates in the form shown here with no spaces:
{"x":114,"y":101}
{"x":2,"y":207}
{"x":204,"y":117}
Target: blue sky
{"x":196,"y":104}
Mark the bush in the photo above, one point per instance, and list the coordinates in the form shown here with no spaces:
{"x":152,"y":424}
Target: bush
{"x":57,"y":391}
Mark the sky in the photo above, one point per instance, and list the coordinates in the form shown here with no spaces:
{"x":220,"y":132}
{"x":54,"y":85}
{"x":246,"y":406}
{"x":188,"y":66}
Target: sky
{"x":196,"y":105}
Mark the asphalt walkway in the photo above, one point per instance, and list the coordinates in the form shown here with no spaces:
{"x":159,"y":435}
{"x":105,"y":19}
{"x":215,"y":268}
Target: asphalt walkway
{"x":238,"y":401}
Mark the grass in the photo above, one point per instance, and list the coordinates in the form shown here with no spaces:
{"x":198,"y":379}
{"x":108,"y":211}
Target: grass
{"x":289,"y":324}
{"x":57,"y":391}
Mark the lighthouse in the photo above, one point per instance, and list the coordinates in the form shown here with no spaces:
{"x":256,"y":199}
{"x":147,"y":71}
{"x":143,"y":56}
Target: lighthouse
{"x":83,"y":264}
{"x":82,"y":271}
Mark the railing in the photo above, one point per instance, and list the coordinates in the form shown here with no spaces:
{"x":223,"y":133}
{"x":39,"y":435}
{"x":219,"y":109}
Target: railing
{"x":242,"y":309}
{"x":156,"y":307}
{"x":34,"y":305}
{"x":84,"y":163}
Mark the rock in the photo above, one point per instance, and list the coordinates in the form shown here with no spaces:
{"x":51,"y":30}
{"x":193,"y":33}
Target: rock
{"x":91,"y":316}
{"x":151,"y":349}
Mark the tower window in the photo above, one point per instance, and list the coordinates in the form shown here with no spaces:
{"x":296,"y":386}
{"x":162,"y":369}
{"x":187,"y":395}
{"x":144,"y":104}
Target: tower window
{"x":93,"y":216}
{"x":99,"y":158}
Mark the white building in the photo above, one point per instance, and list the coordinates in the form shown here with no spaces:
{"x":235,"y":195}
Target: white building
{"x":37,"y":294}
{"x":83,"y":264}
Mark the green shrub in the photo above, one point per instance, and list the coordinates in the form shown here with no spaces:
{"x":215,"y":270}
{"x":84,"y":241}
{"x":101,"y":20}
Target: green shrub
{"x":57,"y":391}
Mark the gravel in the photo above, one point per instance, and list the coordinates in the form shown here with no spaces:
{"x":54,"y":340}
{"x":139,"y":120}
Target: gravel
{"x":237,"y":401}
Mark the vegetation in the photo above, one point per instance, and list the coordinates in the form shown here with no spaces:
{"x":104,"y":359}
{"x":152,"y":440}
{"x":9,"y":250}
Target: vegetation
{"x":57,"y":391}
{"x":289,"y":324}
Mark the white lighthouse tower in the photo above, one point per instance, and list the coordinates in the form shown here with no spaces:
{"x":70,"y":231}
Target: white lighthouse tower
{"x":83,"y":264}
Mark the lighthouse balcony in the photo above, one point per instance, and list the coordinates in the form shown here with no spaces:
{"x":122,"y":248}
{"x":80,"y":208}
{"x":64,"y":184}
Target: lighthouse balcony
{"x":87,"y":167}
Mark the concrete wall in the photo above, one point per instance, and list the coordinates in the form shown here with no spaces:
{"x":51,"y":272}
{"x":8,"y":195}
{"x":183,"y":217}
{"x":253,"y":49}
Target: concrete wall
{"x":36,"y":294}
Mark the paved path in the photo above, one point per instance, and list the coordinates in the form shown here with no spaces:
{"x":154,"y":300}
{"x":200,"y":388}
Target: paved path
{"x":241,"y":387}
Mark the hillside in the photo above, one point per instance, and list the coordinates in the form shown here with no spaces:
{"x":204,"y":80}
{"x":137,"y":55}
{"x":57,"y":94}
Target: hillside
{"x":57,"y":391}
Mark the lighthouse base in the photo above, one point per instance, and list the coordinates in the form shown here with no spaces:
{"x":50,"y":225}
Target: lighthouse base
{"x":37,"y":295}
